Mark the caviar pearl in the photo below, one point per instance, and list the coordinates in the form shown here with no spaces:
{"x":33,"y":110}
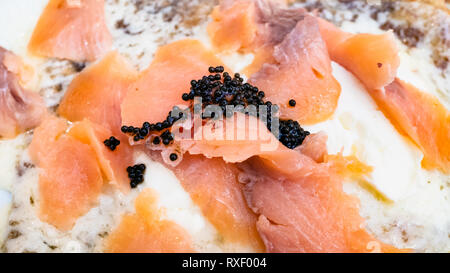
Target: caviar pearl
{"x":221,"y":88}
{"x":136,"y":174}
{"x":173,"y":157}
{"x":111,"y":143}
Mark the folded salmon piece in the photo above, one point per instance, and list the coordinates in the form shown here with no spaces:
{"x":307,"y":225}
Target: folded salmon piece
{"x":74,"y":30}
{"x":161,"y":86}
{"x":302,"y":71}
{"x":291,"y":59}
{"x":145,"y":231}
{"x":113,"y":163}
{"x":373,"y":58}
{"x":20,"y":109}
{"x":94,"y":99}
{"x":306,"y":210}
{"x":219,"y":195}
{"x":70,"y":179}
{"x":98,"y":92}
{"x":421,"y":117}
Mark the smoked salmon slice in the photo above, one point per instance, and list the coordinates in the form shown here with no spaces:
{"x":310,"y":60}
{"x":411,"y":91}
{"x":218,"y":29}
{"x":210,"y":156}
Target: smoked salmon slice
{"x":302,"y":72}
{"x":70,"y":181}
{"x":112,"y":163}
{"x":234,"y":139}
{"x":306,"y":211}
{"x":163,"y":83}
{"x":254,"y":26}
{"x":219,"y":195}
{"x":145,"y":231}
{"x":74,"y":30}
{"x":98,"y":91}
{"x":420,"y":116}
{"x":20,"y":109}
{"x":373,"y":58}
{"x":94,"y":98}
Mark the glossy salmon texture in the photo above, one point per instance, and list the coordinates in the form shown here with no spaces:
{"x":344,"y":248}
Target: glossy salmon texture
{"x":234,"y":139}
{"x":146,"y":232}
{"x":20,"y":109}
{"x":70,"y":179}
{"x":421,"y":117}
{"x":251,"y":25}
{"x":162,"y":84}
{"x":94,"y":98}
{"x":74,"y":30}
{"x":373,"y":58}
{"x":98,"y":92}
{"x":290,"y":58}
{"x":112,"y":163}
{"x":218,"y":193}
{"x":297,"y":194}
{"x":305,"y":209}
{"x":302,"y":72}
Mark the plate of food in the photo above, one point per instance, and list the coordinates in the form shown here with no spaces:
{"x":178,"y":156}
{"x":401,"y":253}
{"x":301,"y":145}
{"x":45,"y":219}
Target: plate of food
{"x":224,"y":126}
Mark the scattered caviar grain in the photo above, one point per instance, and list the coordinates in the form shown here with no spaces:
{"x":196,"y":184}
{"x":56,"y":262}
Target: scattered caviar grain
{"x":136,"y":174}
{"x":221,"y":89}
{"x":156,"y":140}
{"x":379,"y":65}
{"x":112,"y":143}
{"x":173,"y":157}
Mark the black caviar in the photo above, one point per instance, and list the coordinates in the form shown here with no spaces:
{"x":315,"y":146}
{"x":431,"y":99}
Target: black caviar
{"x":136,"y":174}
{"x":173,"y":157}
{"x":111,"y":143}
{"x":292,"y":103}
{"x":221,"y":89}
{"x":291,"y":133}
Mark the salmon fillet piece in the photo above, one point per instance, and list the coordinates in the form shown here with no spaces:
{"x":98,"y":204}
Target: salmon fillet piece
{"x":219,"y":195}
{"x":98,"y":92}
{"x":421,"y":117}
{"x":145,"y":231}
{"x":112,"y":163}
{"x":154,"y":95}
{"x":74,"y":30}
{"x":302,"y":72}
{"x":70,"y":180}
{"x":307,"y":210}
{"x":20,"y":109}
{"x":373,"y":58}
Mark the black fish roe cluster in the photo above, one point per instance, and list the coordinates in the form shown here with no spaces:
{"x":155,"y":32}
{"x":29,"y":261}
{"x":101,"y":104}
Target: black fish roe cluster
{"x":222,"y":89}
{"x":291,"y":134}
{"x":173,"y":157}
{"x":111,"y":143}
{"x":147,"y":128}
{"x":136,"y":174}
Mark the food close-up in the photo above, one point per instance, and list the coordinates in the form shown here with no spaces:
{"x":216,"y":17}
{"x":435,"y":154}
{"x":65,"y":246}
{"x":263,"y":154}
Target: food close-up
{"x":211,"y":126}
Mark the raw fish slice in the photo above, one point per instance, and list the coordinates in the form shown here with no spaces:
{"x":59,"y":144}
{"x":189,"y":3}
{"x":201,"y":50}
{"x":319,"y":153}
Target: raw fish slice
{"x":20,"y":109}
{"x":145,"y":231}
{"x":70,"y":180}
{"x":74,"y":30}
{"x":302,"y":72}
{"x":161,"y":86}
{"x":373,"y":58}
{"x":112,"y":163}
{"x":420,"y":116}
{"x":216,"y":190}
{"x":98,"y":91}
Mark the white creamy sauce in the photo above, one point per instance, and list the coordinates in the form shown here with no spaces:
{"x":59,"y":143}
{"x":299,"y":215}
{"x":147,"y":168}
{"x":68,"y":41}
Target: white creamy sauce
{"x":416,"y":216}
{"x":359,"y":128}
